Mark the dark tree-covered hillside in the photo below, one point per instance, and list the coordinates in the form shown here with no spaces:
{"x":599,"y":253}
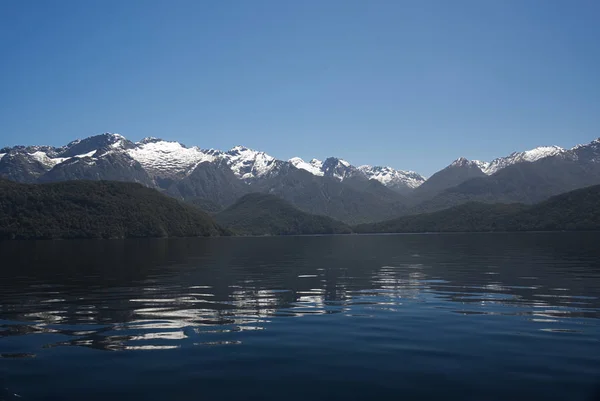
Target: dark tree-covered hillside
{"x":96,"y":209}
{"x":575,"y":210}
{"x":263,"y":214}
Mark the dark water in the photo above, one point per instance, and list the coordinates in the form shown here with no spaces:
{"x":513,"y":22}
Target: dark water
{"x":466,"y":317}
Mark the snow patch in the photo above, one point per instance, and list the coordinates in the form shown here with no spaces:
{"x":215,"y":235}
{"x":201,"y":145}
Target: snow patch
{"x":391,"y":177}
{"x":247,"y":163}
{"x":461,"y":161}
{"x":47,"y":161}
{"x":521,"y":157}
{"x":84,"y":155}
{"x":316,"y":163}
{"x":167,"y":159}
{"x":481,"y":164}
{"x":541,"y":152}
{"x":313,"y":168}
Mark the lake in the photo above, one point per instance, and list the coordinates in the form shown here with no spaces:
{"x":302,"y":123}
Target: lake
{"x":452,"y":316}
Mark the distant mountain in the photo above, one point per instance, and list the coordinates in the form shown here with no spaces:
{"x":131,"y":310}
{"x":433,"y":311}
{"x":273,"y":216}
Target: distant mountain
{"x":354,"y":200}
{"x":315,"y":166}
{"x":526,"y":182}
{"x":520,"y":157}
{"x":456,"y":173}
{"x":401,"y":181}
{"x":248,"y":164}
{"x":96,"y":209}
{"x":575,"y":210}
{"x":167,"y":161}
{"x":264,"y":214}
{"x":214,"y":182}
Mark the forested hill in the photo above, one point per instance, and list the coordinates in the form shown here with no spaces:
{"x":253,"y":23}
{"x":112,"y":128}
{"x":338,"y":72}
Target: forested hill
{"x":96,"y":209}
{"x":263,"y":214}
{"x":575,"y":210}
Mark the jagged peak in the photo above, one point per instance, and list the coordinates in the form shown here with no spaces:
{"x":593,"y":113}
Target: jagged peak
{"x":151,"y":139}
{"x":247,"y":152}
{"x":111,"y":136}
{"x":240,"y":148}
{"x":367,"y":167}
{"x":583,"y":145}
{"x":336,"y":160}
{"x":312,"y":167}
{"x":461,"y":161}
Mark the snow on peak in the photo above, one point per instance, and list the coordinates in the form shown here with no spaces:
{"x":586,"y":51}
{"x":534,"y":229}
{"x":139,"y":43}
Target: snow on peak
{"x":115,"y":141}
{"x":481,"y":164}
{"x":520,"y":157}
{"x":150,"y":139}
{"x":240,"y":148}
{"x":84,"y":155}
{"x":461,"y":161}
{"x":247,"y":163}
{"x":316,"y":163}
{"x":167,"y":159}
{"x":2,"y":155}
{"x":314,"y":167}
{"x":391,"y":177}
{"x":541,"y":152}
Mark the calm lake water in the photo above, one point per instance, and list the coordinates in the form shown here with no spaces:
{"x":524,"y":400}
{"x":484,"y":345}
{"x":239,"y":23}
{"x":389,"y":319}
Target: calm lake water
{"x":459,"y":316}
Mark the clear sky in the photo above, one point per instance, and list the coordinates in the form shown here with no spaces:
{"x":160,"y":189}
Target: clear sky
{"x":409,"y":84}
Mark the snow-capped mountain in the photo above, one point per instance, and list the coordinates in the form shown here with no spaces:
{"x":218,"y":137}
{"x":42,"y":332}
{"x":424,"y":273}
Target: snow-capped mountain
{"x":483,"y":166}
{"x":587,"y":153}
{"x":391,"y":178}
{"x":520,"y":157}
{"x":464,"y":162}
{"x":314,"y":166}
{"x":166,"y":159}
{"x":332,"y":167}
{"x":402,"y":181}
{"x":248,"y":164}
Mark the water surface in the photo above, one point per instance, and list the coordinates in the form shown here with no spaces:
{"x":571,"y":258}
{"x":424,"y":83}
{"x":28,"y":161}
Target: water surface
{"x":456,"y":316}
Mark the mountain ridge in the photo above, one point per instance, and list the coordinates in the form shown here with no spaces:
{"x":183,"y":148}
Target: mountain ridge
{"x":332,"y":187}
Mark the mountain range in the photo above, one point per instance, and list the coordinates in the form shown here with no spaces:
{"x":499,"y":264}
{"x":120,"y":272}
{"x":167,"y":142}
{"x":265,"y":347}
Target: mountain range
{"x":332,"y":187}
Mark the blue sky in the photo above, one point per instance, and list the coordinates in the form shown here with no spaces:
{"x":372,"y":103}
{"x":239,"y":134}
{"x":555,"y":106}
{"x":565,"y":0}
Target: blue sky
{"x":410,"y":84}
